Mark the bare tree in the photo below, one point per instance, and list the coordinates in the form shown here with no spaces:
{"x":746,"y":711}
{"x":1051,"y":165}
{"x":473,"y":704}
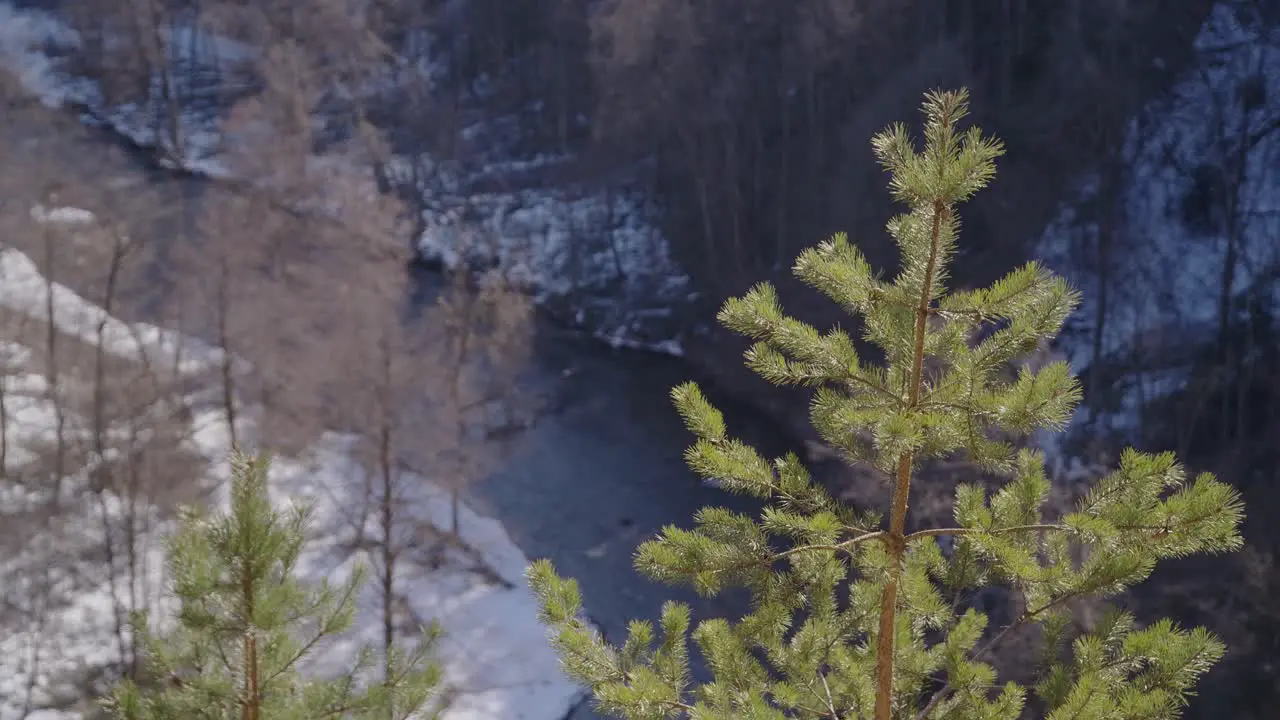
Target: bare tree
{"x":114,"y":450}
{"x":376,"y":356}
{"x":147,"y":52}
{"x":487,"y":328}
{"x":413,"y":391}
{"x":51,"y":241}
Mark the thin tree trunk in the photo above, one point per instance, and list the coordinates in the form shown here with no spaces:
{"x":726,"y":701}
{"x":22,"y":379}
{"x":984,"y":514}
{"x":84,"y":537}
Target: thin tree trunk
{"x":733,"y":177}
{"x":1225,"y":288}
{"x":463,"y":339}
{"x":52,"y":371}
{"x":783,"y":192}
{"x":1103,"y":255}
{"x":224,"y":339}
{"x":708,"y":232}
{"x":4,"y":422}
{"x":386,"y":463}
{"x":252,"y":700}
{"x":562,"y":100}
{"x":895,"y":539}
{"x":608,"y":233}
{"x":388,"y":550}
{"x":1244,"y":371}
{"x":102,"y":472}
{"x":131,"y":533}
{"x":1229,"y":360}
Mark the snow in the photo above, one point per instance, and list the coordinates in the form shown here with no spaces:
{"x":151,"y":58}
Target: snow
{"x":77,"y":633}
{"x":24,"y":290}
{"x":62,"y":215}
{"x":589,"y":255}
{"x":597,"y":250}
{"x":497,"y":661}
{"x":1174,"y":272}
{"x":23,"y":35}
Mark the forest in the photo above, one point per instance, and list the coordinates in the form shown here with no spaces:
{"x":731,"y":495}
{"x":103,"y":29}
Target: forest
{"x":732,"y":133}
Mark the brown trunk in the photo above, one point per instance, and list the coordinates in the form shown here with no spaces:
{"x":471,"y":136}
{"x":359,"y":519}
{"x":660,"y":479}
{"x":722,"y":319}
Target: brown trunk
{"x":251,"y":702}
{"x":388,"y":552}
{"x":101,"y":479}
{"x":463,"y":348}
{"x":131,"y":538}
{"x":895,"y":541}
{"x":386,"y":463}
{"x":52,"y":371}
{"x":224,"y":340}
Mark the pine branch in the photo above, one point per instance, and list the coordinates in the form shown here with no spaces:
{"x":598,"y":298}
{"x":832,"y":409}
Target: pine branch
{"x":994,"y":531}
{"x":845,"y":547}
{"x":831,"y":704}
{"x":990,"y":646}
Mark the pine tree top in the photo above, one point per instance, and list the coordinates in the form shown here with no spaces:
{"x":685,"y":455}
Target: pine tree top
{"x":853,"y":617}
{"x":246,"y":623}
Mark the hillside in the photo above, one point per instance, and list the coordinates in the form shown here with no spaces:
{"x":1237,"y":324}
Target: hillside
{"x":628,"y":163}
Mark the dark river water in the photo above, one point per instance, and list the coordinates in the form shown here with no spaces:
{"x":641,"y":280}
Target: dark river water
{"x":590,"y":481}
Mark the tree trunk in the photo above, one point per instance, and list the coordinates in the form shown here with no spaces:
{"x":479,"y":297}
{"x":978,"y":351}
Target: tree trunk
{"x":52,"y":371}
{"x":224,"y":340}
{"x":101,"y":473}
{"x":895,"y":538}
{"x":782,"y":191}
{"x":251,"y":700}
{"x":386,"y":464}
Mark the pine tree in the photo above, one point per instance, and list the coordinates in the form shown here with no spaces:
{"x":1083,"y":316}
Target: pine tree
{"x":246,"y":622}
{"x":851,"y":618}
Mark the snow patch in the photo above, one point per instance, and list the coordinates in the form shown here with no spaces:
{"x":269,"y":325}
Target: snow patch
{"x":24,"y":35}
{"x":62,"y":215}
{"x":24,"y":290}
{"x":1227,"y":107}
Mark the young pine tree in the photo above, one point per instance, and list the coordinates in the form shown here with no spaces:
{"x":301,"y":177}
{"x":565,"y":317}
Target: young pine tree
{"x":245,"y":623}
{"x":852,"y":618}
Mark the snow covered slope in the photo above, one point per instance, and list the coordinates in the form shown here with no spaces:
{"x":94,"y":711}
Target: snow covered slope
{"x":498,"y":663}
{"x":1200,"y":165}
{"x":589,"y":254}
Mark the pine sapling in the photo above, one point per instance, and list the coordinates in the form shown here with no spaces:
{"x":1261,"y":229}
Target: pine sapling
{"x":852,"y":617}
{"x":246,"y":623}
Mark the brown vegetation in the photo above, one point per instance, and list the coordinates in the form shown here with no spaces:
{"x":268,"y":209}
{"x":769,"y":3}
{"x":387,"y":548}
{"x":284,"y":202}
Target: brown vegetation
{"x":117,"y":449}
{"x":298,"y":270}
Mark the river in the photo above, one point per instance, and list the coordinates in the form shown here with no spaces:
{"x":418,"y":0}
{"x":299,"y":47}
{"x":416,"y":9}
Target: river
{"x":587,"y":483}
